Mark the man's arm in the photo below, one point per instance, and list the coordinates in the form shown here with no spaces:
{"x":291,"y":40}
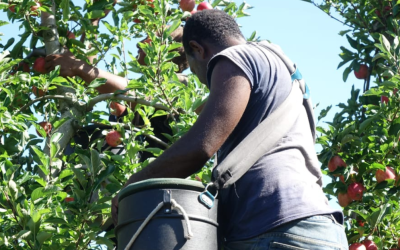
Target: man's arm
{"x":71,"y":66}
{"x":229,"y":95}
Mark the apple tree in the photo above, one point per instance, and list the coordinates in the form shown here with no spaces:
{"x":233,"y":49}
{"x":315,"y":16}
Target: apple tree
{"x":360,"y":145}
{"x":50,"y":199}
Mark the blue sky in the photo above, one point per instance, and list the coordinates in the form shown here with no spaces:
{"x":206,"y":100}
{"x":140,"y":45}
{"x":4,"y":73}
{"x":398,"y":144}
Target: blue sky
{"x":308,"y":37}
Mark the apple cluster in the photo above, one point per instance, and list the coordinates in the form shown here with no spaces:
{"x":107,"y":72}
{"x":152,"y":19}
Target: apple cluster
{"x":369,"y":245}
{"x":188,"y":5}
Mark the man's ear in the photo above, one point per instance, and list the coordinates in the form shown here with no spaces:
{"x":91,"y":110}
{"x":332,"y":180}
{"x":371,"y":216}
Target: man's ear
{"x":197,"y":49}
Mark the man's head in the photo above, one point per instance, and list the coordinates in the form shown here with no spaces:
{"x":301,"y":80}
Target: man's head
{"x":207,"y":33}
{"x":180,"y":60}
{"x":212,"y":26}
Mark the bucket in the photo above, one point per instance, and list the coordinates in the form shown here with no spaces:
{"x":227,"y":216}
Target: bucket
{"x":167,"y":214}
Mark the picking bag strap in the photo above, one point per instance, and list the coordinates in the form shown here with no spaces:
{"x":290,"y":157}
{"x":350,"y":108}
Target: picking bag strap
{"x":260,"y":140}
{"x":265,"y":136}
{"x":296,"y":75}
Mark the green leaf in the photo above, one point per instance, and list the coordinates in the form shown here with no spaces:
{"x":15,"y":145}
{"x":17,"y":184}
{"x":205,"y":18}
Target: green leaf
{"x":13,"y":189}
{"x":35,"y":216}
{"x":56,"y":125}
{"x":376,"y":217}
{"x":97,"y":82}
{"x":77,"y":43}
{"x":346,"y":73}
{"x":65,"y":173}
{"x":9,"y":43}
{"x":386,"y":43}
{"x":43,"y":236}
{"x":43,"y":158}
{"x":65,"y":10}
{"x":353,"y":43}
{"x":24,"y":234}
{"x":55,"y":220}
{"x":96,"y":162}
{"x":216,"y":3}
{"x":172,"y":28}
{"x":373,"y":92}
{"x":365,"y":124}
{"x":37,"y":193}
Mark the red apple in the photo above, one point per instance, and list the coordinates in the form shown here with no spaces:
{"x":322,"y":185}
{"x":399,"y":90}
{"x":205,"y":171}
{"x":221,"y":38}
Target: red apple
{"x":335,"y":162}
{"x":69,"y":199}
{"x":341,"y":178}
{"x":71,"y":35}
{"x":204,"y":6}
{"x":357,"y":246}
{"x":142,"y":2}
{"x":384,"y":99}
{"x":187,"y":5}
{"x":343,"y":199}
{"x":11,"y":7}
{"x":34,"y":11}
{"x":362,"y":73}
{"x":381,"y":175}
{"x":46,"y":126}
{"x":24,"y":66}
{"x":38,"y":92}
{"x":117,"y":108}
{"x":113,"y":138}
{"x":355,"y":191}
{"x":370,"y":245}
{"x":38,"y":65}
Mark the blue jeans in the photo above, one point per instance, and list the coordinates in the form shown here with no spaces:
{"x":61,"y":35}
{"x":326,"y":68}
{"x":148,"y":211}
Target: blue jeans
{"x":320,"y":232}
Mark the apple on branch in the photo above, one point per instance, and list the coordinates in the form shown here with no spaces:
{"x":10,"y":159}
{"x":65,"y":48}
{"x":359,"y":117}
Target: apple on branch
{"x":46,"y":126}
{"x":381,"y":175}
{"x":117,"y":109}
{"x":336,"y":162}
{"x":370,"y":245}
{"x":38,"y":92}
{"x":34,"y":9}
{"x":357,"y":246}
{"x":38,"y":65}
{"x":113,"y":138}
{"x":204,"y":6}
{"x":355,"y":191}
{"x":362,"y":73}
{"x":344,"y":199}
{"x":384,"y":99}
{"x":187,"y":5}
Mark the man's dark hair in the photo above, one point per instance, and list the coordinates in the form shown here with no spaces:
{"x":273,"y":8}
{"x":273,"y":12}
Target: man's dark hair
{"x":213,"y":26}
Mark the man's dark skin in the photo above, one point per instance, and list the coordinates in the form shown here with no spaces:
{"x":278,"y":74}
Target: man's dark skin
{"x":229,"y":94}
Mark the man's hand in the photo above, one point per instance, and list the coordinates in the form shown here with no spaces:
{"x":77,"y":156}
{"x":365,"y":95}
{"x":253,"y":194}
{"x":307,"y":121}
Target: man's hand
{"x":69,"y":65}
{"x":114,"y":210}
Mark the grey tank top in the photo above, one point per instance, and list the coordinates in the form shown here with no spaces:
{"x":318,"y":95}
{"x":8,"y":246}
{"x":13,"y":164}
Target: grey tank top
{"x":286,"y":183}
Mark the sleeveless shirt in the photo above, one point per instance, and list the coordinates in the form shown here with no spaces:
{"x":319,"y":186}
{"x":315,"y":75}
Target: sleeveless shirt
{"x":286,"y":183}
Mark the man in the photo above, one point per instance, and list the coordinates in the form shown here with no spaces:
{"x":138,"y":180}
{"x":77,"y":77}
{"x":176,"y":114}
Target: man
{"x":278,"y":203}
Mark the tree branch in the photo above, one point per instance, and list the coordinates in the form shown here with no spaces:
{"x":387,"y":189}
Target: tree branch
{"x":41,"y":99}
{"x":104,"y":97}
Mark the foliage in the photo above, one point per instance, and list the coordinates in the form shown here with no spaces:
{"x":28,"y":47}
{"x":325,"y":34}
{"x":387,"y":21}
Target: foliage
{"x":53,"y":200}
{"x":365,"y":132}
